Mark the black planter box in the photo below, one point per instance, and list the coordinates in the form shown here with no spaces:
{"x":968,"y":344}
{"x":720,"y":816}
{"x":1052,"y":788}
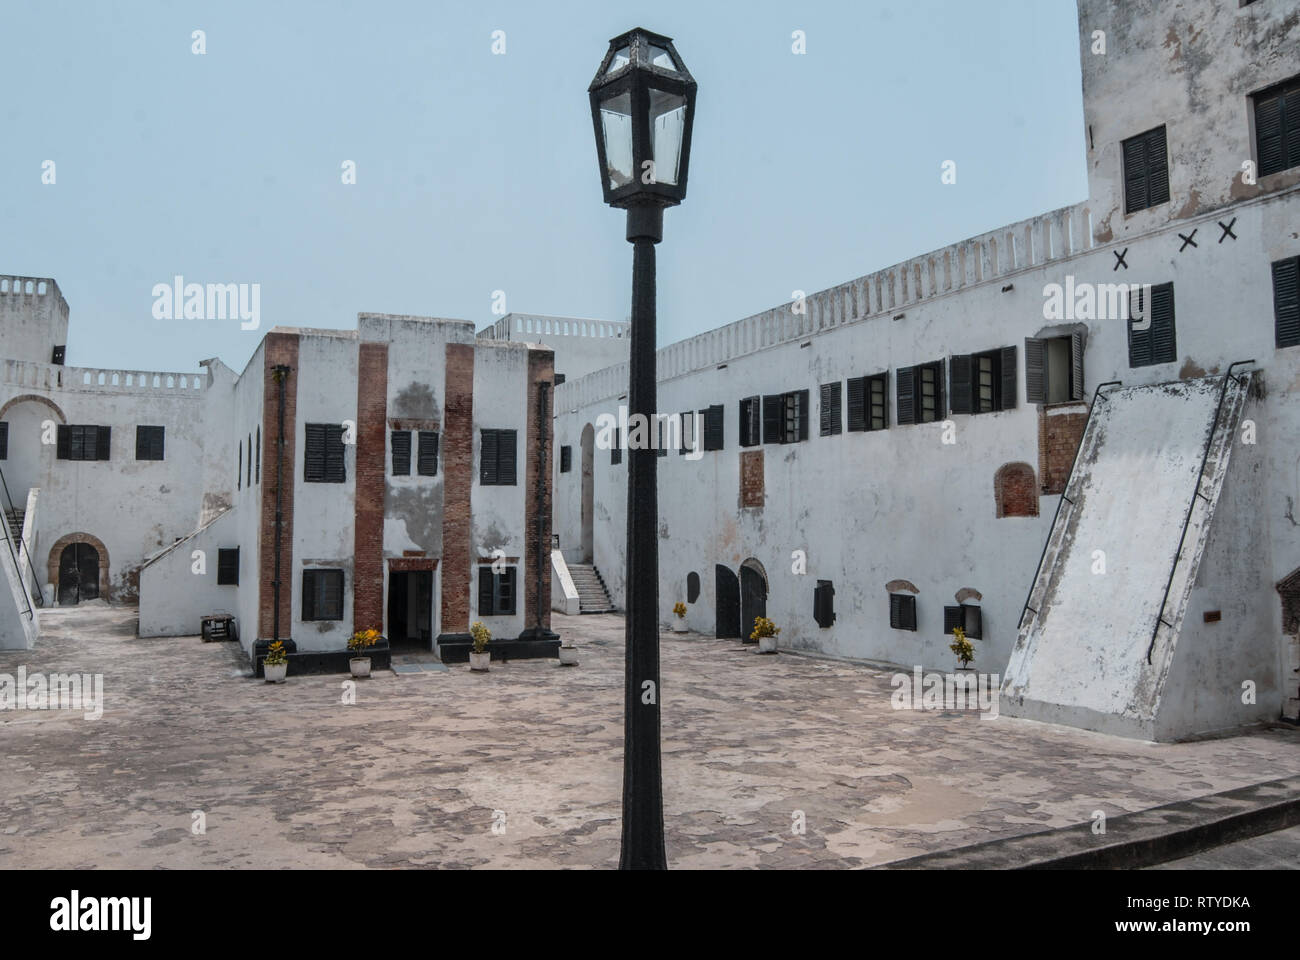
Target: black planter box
{"x":322,"y":661}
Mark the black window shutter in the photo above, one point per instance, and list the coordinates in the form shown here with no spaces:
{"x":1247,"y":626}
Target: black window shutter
{"x":1139,"y":341}
{"x":1008,"y":371}
{"x":332,"y":594}
{"x":713,"y":435}
{"x":830,"y":409}
{"x":489,"y":469}
{"x":63,"y":446}
{"x":157,"y":443}
{"x":858,"y":403}
{"x":335,"y":466}
{"x":938,"y":390}
{"x":103,"y":443}
{"x":1157,"y":168}
{"x":566,"y":459}
{"x":960,"y":389}
{"x":1076,"y":366}
{"x":1286,"y":298}
{"x":141,"y":443}
{"x":1035,"y":370}
{"x":773,"y":417}
{"x":616,"y":451}
{"x":427,"y":456}
{"x":506,"y":593}
{"x":1164,"y":347}
{"x":1135,"y":174}
{"x":973,"y":621}
{"x":1269,"y":142}
{"x":401,"y":453}
{"x":902,"y":611}
{"x":314,"y":457}
{"x":506,"y":443}
{"x":687,"y":439}
{"x":309,"y":594}
{"x":486,"y":591}
{"x":228,"y":566}
{"x":904,"y":382}
{"x":824,"y":603}
{"x":749,"y":421}
{"x":4,"y":440}
{"x":883,"y":378}
{"x":801,"y":412}
{"x":953,"y":617}
{"x":895,"y":610}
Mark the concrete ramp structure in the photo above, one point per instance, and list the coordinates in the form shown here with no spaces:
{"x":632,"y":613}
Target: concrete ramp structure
{"x":1149,"y":616}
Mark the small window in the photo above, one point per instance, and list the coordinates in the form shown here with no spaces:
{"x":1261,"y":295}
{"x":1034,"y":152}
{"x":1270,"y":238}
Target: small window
{"x":566,"y":459}
{"x":497,"y":458}
{"x":4,"y":440}
{"x":1277,"y":127}
{"x":713,"y":437}
{"x":831,"y":409}
{"x":616,"y":451}
{"x":426,"y":460}
{"x":902,"y":611}
{"x":919,"y":392}
{"x":1286,"y":299}
{"x":1146,"y":171}
{"x":692,"y":587}
{"x":496,"y":592}
{"x":324,"y":458}
{"x":148,"y":443}
{"x":258,"y":448}
{"x":82,"y":442}
{"x":785,"y":417}
{"x":869,"y":402}
{"x":967,"y":616}
{"x":982,"y":382}
{"x":824,"y":603}
{"x":688,"y":432}
{"x":1156,"y":341}
{"x":57,"y":355}
{"x":401,"y":440}
{"x":751,"y":421}
{"x":249,"y":479}
{"x":228,"y":567}
{"x":322,"y":595}
{"x":1054,"y":369}
{"x":239,"y":468}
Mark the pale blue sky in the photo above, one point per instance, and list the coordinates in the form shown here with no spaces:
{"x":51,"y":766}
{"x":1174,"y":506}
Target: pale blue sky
{"x":477,"y":172}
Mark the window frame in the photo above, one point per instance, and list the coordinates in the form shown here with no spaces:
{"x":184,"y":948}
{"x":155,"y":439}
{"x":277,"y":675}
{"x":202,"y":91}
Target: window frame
{"x":333,"y":463}
{"x":1147,"y":338}
{"x":1146,"y":141}
{"x":1282,"y":92}
{"x":227,"y":566}
{"x":101,"y":444}
{"x":317,"y":594}
{"x":493,"y":587}
{"x":399,"y":442}
{"x":902,"y":611}
{"x":492,"y":442}
{"x":145,"y":437}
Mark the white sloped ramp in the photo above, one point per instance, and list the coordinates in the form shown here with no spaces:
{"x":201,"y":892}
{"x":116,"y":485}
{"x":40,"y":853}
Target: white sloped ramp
{"x":1085,"y":654}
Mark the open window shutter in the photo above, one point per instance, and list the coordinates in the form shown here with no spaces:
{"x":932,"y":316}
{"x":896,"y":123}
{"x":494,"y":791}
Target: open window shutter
{"x":103,"y":445}
{"x":953,"y":617}
{"x":1269,"y":134}
{"x":1157,"y":167}
{"x":427,"y":465}
{"x":909,"y":612}
{"x":507,"y":441}
{"x":63,"y":446}
{"x":905,"y":383}
{"x":1164,"y":348}
{"x":1291,"y":121}
{"x":1008,"y":364}
{"x":895,"y":610}
{"x":713,"y":435}
{"x":960,"y":389}
{"x":773,"y":415}
{"x":858,"y":403}
{"x":1139,"y":341}
{"x":1076,"y":367}
{"x":830,"y":409}
{"x":749,"y":421}
{"x":1286,"y":298}
{"x":486,"y":591}
{"x":939,"y":381}
{"x":401,"y":453}
{"x":688,"y":425}
{"x":801,"y":412}
{"x":973,"y":621}
{"x":1135,"y":175}
{"x":335,"y":465}
{"x":1035,"y":370}
{"x":507,"y":596}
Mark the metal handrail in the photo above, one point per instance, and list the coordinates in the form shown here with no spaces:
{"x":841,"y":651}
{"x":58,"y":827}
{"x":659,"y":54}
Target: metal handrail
{"x":31,"y":565}
{"x":1096,"y":395}
{"x":1205,"y":457}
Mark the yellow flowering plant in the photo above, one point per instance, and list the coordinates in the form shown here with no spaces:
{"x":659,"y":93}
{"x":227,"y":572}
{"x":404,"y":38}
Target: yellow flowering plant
{"x":679,"y":609}
{"x":363,"y":640}
{"x":764,"y":627}
{"x":963,"y":648}
{"x":481,"y":634}
{"x":275,"y":655}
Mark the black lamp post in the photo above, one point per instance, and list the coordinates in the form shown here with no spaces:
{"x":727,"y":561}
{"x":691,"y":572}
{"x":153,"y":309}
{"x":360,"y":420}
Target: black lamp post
{"x":643,"y":106}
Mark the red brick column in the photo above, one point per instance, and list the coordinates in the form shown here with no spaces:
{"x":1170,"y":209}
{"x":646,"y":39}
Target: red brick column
{"x":1058,"y":438}
{"x":372,"y":460}
{"x":541,"y":369}
{"x":457,"y":443}
{"x":280,"y":349}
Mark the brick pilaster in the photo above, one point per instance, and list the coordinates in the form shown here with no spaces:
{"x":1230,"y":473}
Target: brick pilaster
{"x":457,"y":443}
{"x":372,"y":460}
{"x":281,"y":350}
{"x":541,"y":370}
{"x":1059,"y":436}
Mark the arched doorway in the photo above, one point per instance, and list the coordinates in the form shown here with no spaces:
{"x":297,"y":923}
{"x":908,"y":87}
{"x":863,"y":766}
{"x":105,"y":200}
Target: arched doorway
{"x":78,"y":573}
{"x":727,"y":603}
{"x":588,"y":506}
{"x":753,"y":596}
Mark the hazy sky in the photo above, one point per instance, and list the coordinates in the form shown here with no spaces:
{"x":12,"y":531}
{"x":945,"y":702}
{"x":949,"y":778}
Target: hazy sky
{"x":476,"y":172}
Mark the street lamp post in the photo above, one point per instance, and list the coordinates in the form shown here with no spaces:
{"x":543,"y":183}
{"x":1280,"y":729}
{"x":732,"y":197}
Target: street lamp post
{"x":643,"y":107}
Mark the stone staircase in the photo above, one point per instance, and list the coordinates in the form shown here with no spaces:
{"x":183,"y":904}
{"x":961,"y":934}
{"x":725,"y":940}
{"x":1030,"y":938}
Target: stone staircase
{"x":592,"y":595}
{"x":14,"y":518}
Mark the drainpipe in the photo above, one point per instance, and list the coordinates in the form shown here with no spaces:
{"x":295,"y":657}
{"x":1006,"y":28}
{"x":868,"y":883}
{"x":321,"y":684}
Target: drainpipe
{"x":281,"y":374}
{"x":543,"y":554}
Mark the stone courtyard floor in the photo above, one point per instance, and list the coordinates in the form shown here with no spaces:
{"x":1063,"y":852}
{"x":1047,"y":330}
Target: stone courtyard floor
{"x":414,"y":774}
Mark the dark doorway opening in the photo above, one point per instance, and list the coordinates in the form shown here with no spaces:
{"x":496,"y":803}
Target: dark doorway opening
{"x":753,"y":596}
{"x":727,"y":599}
{"x":410,"y":609}
{"x":78,"y":573}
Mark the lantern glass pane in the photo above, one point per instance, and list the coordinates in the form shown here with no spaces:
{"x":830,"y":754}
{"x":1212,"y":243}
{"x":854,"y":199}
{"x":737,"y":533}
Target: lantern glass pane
{"x":667,"y":125}
{"x":622,"y":57}
{"x":660,"y":57}
{"x":616,"y":128}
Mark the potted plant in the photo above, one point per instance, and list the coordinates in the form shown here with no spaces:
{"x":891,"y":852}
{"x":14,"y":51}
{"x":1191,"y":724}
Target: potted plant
{"x":963,"y":648}
{"x":479,"y":658}
{"x":568,"y":653}
{"x":276,"y":663}
{"x":360,"y":643}
{"x":679,"y":617}
{"x":765,"y":632}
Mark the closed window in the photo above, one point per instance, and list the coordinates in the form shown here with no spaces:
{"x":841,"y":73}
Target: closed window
{"x":497,"y":458}
{"x":1151,"y":336}
{"x":824,"y":603}
{"x":1277,"y":127}
{"x":1054,"y":369}
{"x":566,"y":459}
{"x":496,"y":592}
{"x":258,"y":474}
{"x":616,"y":451}
{"x":919,"y":393}
{"x":1286,"y":300}
{"x":751,"y":421}
{"x":1146,"y":170}
{"x":81,"y":442}
{"x":323,"y":459}
{"x":713,"y":427}
{"x":228,"y":566}
{"x":967,"y":616}
{"x":4,"y":440}
{"x":322,"y":595}
{"x":148,"y":443}
{"x":401,"y":442}
{"x":426,"y":460}
{"x":902,"y":611}
{"x":982,"y":382}
{"x":831,"y":409}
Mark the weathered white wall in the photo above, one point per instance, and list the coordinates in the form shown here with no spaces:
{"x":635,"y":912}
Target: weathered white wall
{"x":33,"y":318}
{"x":581,"y":346}
{"x":174,"y":597}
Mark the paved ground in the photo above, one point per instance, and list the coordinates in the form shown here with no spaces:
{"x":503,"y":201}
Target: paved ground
{"x":412,"y":773}
{"x":1271,"y":851}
